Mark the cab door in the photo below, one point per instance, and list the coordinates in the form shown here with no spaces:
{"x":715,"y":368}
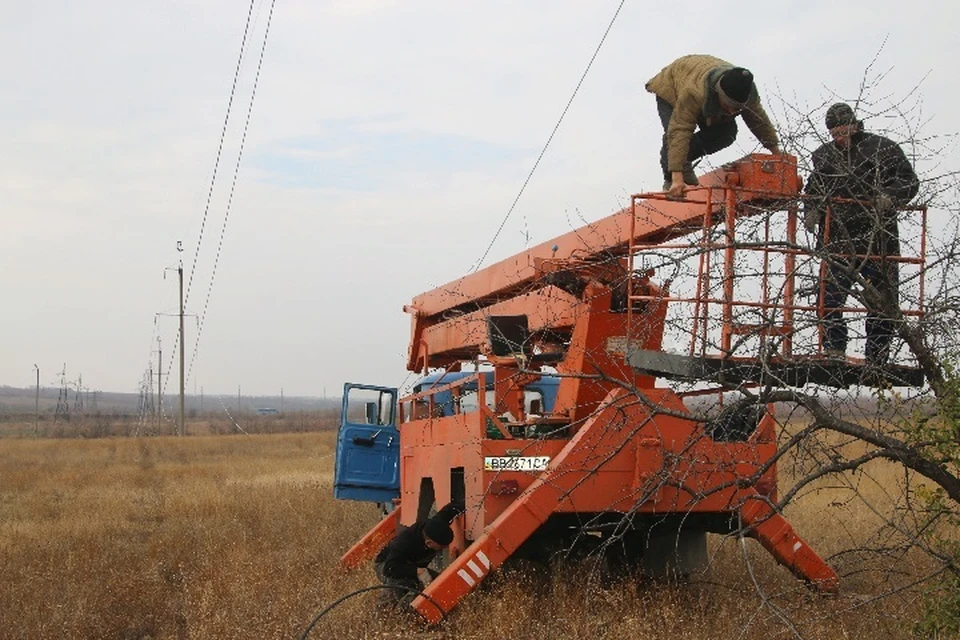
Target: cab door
{"x":367,"y":465}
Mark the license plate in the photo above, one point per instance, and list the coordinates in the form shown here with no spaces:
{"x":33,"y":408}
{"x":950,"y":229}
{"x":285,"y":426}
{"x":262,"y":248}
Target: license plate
{"x":516,"y":463}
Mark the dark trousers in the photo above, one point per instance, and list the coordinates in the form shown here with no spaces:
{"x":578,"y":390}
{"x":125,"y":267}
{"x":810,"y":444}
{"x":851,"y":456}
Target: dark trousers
{"x":398,"y":596}
{"x":880,"y":330}
{"x":705,"y":139}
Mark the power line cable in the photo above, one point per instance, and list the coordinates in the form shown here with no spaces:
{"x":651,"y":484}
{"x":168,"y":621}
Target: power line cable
{"x":216,"y":166}
{"x":233,"y":184}
{"x":223,"y":136}
{"x":550,"y":139}
{"x":455,"y":291}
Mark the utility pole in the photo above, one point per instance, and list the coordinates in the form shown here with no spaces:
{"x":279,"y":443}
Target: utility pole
{"x":179,"y":270}
{"x":159,"y":383}
{"x":153,"y":408}
{"x":182,"y":351}
{"x":238,"y":399}
{"x":36,"y":408}
{"x":281,"y":400}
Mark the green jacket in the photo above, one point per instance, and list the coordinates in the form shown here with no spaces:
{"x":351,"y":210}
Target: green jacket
{"x":688,"y":84}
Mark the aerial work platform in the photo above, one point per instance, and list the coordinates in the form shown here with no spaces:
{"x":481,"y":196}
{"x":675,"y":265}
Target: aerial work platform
{"x":744,"y":314}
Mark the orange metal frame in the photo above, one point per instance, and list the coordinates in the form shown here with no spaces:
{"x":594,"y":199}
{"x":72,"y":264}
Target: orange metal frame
{"x":627,"y":447}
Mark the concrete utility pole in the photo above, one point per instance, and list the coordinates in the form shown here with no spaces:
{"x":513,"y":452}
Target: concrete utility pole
{"x":153,"y":408}
{"x":179,"y":270}
{"x":36,"y":409}
{"x":182,"y":350}
{"x":159,"y":382}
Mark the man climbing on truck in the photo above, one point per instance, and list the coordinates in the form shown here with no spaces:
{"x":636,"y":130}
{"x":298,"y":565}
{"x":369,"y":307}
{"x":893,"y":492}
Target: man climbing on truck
{"x":397,"y":565}
{"x":699,"y":98}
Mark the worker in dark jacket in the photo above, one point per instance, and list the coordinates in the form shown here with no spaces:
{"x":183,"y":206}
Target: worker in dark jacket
{"x":414,"y":548}
{"x":859,"y":180}
{"x":699,"y":98}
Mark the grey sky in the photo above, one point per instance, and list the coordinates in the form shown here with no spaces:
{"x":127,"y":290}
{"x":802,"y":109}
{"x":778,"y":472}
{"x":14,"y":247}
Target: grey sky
{"x":387,"y":142}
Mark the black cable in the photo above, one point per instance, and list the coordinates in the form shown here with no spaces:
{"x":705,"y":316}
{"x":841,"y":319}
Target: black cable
{"x":550,"y":139}
{"x":233,"y":185}
{"x":213,"y":178}
{"x":216,"y":164}
{"x":339,"y":601}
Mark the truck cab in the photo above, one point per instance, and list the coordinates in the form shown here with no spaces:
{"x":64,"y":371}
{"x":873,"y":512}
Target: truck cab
{"x":367,"y":463}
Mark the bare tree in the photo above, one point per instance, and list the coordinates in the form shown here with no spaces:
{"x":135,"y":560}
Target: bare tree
{"x":851,"y":427}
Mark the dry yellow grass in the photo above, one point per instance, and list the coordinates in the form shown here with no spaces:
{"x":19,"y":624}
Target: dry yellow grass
{"x":239,"y":536}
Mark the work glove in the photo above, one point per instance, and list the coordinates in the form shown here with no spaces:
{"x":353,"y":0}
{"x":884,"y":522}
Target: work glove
{"x":883,"y":202}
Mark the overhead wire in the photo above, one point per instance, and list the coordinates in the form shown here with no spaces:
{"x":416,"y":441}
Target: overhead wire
{"x":223,"y":137}
{"x":553,"y":133}
{"x":233,"y":184}
{"x":216,"y":167}
{"x":455,"y":291}
{"x":244,"y":46}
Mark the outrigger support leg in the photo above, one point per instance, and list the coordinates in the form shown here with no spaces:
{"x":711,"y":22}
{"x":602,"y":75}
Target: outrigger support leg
{"x":374,"y":540}
{"x":776,"y":535}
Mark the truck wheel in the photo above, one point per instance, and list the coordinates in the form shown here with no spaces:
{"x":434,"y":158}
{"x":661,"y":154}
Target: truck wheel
{"x":673,"y":555}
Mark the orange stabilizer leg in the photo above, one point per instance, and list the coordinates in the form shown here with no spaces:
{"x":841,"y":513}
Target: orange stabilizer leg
{"x":372,"y":541}
{"x":776,"y":535}
{"x":487,"y":553}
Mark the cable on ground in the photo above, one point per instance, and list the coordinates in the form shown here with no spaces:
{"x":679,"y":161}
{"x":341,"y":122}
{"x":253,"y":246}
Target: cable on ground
{"x":339,"y":601}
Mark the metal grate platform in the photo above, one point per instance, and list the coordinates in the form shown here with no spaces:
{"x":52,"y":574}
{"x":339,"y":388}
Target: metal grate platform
{"x":794,"y":373}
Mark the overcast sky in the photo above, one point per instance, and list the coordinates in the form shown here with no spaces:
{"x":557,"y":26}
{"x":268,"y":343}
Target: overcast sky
{"x":386,"y":143}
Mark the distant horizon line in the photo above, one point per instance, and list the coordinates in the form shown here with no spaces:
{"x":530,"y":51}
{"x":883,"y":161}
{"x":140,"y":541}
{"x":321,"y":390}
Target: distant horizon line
{"x":32,"y":389}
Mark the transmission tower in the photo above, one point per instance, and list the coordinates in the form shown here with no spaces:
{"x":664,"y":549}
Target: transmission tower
{"x":78,"y":396}
{"x":63,"y":399}
{"x":145,"y":406}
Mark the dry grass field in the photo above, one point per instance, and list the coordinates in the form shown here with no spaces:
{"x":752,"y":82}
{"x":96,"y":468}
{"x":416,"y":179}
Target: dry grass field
{"x":238,"y":537}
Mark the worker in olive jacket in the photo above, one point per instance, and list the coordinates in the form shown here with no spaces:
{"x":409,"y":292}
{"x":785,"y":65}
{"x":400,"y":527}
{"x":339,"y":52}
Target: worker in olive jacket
{"x":858,"y":182}
{"x":699,"y":98}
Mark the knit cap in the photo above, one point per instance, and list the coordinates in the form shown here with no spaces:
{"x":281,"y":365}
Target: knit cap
{"x":438,"y":531}
{"x":840,"y":114}
{"x":737,"y":83}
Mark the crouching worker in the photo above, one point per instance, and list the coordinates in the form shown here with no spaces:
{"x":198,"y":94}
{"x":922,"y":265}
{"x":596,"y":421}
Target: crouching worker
{"x":413,"y":549}
{"x":699,"y":98}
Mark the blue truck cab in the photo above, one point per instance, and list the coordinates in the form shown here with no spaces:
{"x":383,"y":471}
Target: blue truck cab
{"x":367,"y":463}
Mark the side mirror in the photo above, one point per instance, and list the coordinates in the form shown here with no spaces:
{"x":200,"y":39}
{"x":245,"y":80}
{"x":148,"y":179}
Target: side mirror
{"x":372,"y":410}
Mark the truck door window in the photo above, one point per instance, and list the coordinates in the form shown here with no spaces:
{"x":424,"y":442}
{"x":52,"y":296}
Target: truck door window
{"x":370,"y":406}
